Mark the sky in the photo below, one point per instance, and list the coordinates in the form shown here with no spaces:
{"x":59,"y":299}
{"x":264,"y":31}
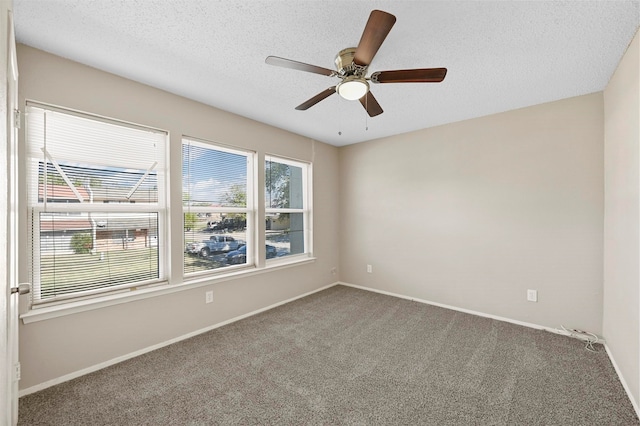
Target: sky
{"x":208,"y":174}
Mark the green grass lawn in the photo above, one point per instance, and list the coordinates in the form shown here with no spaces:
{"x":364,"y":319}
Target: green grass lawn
{"x":70,"y":273}
{"x":61,"y":274}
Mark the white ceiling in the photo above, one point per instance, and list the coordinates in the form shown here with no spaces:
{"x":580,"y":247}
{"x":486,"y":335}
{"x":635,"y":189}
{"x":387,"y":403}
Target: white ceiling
{"x":500,"y":55}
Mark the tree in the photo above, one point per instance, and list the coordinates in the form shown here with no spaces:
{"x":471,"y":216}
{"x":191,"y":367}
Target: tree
{"x":236,"y":196}
{"x":190,"y":221}
{"x":278,"y":183}
{"x":82,"y":243}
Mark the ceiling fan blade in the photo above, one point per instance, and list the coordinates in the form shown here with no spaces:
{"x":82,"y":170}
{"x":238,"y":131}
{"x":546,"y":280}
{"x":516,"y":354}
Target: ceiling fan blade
{"x":376,"y":30}
{"x":317,"y":98}
{"x":421,"y":75}
{"x":370,"y":103}
{"x":301,"y":66}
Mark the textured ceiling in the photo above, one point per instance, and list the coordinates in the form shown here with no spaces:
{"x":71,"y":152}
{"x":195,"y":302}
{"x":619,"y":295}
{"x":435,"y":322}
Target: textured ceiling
{"x":500,"y":55}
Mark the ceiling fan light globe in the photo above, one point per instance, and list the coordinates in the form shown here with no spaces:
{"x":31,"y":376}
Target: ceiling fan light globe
{"x":353,"y":89}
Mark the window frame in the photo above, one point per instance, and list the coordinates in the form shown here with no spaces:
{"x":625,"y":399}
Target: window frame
{"x":306,"y":209}
{"x":35,"y":207}
{"x":249,"y":210}
{"x":171,"y":274}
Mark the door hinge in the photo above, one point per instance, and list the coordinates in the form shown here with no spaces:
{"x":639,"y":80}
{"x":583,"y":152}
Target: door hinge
{"x":16,"y":371}
{"x":17,"y":115}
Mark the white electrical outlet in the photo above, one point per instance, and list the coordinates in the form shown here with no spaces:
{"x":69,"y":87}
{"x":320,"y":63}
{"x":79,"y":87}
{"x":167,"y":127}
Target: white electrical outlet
{"x":532,"y":295}
{"x":369,"y":268}
{"x":208,"y":296}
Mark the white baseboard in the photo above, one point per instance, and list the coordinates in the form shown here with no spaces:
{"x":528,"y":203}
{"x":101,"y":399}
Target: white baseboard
{"x":623,"y":381}
{"x":455,"y":308}
{"x":134,"y":354}
{"x":100,"y":366}
{"x":634,"y":403}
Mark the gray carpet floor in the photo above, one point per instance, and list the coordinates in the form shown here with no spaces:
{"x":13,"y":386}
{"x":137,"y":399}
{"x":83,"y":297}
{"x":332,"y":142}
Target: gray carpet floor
{"x":348,"y":356}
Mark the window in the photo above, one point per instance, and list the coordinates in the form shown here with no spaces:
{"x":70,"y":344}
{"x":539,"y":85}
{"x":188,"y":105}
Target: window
{"x":287,"y":207}
{"x":97,"y":201}
{"x":96,"y":196}
{"x":217,"y":200}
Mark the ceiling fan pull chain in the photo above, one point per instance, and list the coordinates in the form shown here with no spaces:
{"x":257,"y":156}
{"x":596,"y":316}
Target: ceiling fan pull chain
{"x":339,"y":116}
{"x":366,"y":116}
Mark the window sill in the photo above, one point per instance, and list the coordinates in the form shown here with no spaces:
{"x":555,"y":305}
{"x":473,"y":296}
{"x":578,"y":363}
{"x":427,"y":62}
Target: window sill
{"x":70,"y":308}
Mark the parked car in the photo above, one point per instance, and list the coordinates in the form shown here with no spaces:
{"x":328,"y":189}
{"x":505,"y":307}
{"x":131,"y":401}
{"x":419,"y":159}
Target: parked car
{"x":215,"y":244}
{"x":228,"y":224}
{"x":239,"y":256}
{"x":271,"y":251}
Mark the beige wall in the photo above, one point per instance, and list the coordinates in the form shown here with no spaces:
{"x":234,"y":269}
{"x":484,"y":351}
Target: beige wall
{"x":53,"y":348}
{"x":472,"y":214}
{"x":621,"y":321}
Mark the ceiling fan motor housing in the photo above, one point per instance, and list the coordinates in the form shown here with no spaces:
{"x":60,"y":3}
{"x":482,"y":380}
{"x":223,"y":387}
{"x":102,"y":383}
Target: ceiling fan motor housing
{"x":346,"y":66}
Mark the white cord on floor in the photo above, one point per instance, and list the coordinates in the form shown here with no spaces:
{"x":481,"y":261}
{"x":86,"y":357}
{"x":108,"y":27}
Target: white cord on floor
{"x":589,"y":338}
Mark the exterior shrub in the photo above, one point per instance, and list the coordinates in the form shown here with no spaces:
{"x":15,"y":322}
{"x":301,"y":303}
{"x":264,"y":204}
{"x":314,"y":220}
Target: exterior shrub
{"x":82,"y":243}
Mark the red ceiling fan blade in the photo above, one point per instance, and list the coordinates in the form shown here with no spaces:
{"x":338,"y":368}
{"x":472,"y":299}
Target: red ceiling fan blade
{"x":301,"y":66}
{"x":376,"y":30}
{"x":370,"y":103}
{"x":317,"y":98}
{"x":420,"y":75}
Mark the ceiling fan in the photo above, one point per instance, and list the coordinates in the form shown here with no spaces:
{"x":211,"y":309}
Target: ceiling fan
{"x":352,"y":63}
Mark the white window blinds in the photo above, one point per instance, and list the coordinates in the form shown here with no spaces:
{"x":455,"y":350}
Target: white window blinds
{"x":218,"y":207}
{"x":97,"y":200}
